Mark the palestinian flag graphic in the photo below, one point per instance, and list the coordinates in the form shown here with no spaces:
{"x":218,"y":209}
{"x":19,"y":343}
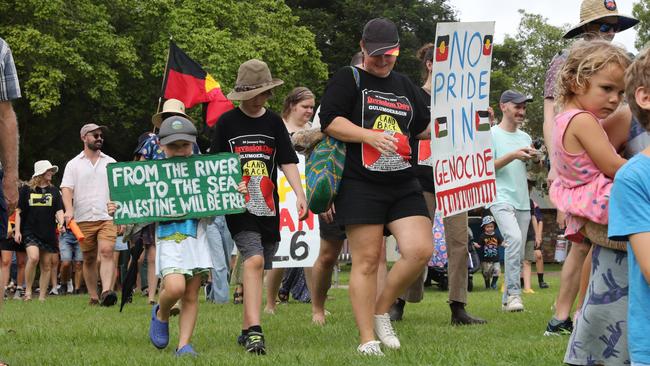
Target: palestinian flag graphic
{"x":481,"y":120}
{"x":186,"y":81}
{"x":487,"y":45}
{"x":442,"y":48}
{"x":440,"y":127}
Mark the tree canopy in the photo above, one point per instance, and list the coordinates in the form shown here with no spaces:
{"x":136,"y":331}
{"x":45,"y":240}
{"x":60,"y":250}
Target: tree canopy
{"x":641,"y":11}
{"x":102,"y":61}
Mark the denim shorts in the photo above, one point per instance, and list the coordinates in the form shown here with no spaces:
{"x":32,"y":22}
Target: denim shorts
{"x":69,"y":247}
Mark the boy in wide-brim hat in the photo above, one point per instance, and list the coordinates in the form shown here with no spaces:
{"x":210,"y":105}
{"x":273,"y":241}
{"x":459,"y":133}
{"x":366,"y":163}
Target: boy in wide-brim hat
{"x":261,"y":139}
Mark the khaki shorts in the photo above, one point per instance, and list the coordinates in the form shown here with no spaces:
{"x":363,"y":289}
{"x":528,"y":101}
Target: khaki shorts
{"x":96,"y":231}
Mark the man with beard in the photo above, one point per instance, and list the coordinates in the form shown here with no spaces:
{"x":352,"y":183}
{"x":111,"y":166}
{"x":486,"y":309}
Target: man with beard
{"x":511,"y":209}
{"x":85,"y":195}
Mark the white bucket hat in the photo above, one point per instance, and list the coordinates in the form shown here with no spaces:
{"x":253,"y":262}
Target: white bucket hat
{"x":42,"y":166}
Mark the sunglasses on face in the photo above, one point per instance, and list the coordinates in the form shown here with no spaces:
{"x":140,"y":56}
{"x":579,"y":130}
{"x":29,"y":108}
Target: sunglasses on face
{"x":608,"y":27}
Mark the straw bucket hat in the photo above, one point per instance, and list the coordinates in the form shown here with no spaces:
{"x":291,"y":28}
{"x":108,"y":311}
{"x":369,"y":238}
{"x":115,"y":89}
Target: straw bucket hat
{"x":42,"y":166}
{"x":174,"y":106}
{"x":592,"y":10}
{"x":253,"y":78}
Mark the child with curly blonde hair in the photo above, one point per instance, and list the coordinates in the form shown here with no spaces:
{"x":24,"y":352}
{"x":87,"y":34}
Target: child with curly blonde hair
{"x":589,"y":88}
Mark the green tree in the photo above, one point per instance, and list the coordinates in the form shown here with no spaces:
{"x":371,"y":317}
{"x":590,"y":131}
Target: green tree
{"x":521,"y":62}
{"x":641,"y":11}
{"x":103,"y":60}
{"x":338,"y":25}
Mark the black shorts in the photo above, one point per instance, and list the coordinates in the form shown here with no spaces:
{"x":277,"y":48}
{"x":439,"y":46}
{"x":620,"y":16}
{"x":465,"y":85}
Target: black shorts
{"x":11,"y":245}
{"x":361,"y":202}
{"x":332,"y":231}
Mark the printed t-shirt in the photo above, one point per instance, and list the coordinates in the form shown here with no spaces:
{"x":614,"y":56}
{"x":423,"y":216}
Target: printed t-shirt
{"x":629,"y":205}
{"x":490,"y":247}
{"x":37,"y":212}
{"x":263,"y":144}
{"x":512,"y":186}
{"x":393,"y":105}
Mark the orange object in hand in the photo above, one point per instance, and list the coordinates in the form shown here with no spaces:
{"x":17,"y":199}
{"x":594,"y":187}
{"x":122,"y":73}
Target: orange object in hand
{"x":76,"y":231}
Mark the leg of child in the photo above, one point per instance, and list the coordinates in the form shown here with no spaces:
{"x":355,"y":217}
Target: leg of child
{"x":322,"y":277}
{"x":273,"y":282}
{"x":253,"y":278}
{"x":54,"y":274}
{"x":152,"y":279}
{"x":173,"y":290}
{"x":189,"y":311}
{"x":526,"y":272}
{"x":46,"y":268}
{"x":33,"y":257}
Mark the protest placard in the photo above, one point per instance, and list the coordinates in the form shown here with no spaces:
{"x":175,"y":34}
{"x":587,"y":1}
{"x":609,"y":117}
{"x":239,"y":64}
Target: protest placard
{"x":300,"y":240}
{"x":461,"y":143}
{"x":176,"y":188}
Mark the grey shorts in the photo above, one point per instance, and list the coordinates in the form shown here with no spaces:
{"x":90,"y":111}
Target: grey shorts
{"x":249,"y":243}
{"x":529,"y":252}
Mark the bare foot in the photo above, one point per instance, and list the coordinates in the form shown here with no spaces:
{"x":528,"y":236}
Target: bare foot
{"x":268,"y":310}
{"x":318,"y":319}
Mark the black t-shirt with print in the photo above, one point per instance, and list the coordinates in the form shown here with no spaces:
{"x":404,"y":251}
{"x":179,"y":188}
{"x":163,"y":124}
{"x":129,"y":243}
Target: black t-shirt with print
{"x":392,"y":104}
{"x":263,"y":144}
{"x":490,"y":243}
{"x":38,"y":209}
{"x":422,"y":158}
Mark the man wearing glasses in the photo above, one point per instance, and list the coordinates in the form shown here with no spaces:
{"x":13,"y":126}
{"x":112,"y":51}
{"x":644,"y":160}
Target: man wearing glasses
{"x":599,"y":19}
{"x":85,"y":195}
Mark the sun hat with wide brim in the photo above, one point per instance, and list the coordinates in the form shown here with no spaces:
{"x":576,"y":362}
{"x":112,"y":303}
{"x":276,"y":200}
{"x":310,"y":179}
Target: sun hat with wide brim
{"x":253,"y":78}
{"x":42,"y":166}
{"x":171,"y":106}
{"x":592,"y":10}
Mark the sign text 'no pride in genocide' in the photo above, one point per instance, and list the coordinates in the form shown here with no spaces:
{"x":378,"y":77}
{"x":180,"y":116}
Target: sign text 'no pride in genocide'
{"x":177,"y":188}
{"x":461,"y":143}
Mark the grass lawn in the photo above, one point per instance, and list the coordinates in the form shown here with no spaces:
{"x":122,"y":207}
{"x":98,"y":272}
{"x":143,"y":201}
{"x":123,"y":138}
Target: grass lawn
{"x":66,"y":331}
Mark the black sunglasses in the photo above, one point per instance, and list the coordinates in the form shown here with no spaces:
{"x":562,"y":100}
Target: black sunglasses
{"x":608,"y":27}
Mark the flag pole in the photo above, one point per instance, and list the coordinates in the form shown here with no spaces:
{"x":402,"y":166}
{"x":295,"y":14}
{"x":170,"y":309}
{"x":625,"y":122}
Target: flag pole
{"x":169,"y":50}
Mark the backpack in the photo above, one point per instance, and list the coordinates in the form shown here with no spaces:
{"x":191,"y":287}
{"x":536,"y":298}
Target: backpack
{"x":324,"y":169}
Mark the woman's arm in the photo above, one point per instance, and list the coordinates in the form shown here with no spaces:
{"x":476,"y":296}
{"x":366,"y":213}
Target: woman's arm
{"x":293,"y":177}
{"x":343,"y":129}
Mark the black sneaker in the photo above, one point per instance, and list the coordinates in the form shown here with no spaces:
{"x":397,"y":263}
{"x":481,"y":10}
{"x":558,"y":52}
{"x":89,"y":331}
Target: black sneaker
{"x":241,"y":339}
{"x":396,"y":311}
{"x":563,"y":328}
{"x":255,"y":343}
{"x":543,"y":285}
{"x":108,"y":298}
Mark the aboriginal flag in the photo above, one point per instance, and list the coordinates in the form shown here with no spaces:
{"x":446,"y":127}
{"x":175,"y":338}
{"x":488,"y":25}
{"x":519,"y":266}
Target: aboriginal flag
{"x":487,"y":45}
{"x":186,"y":81}
{"x":442,"y":48}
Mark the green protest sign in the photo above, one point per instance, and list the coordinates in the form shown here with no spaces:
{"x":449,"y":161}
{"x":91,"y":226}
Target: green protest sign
{"x":176,"y":188}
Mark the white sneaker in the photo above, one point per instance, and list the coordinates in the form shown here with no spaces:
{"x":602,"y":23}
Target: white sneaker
{"x":70,"y":286}
{"x":54,"y":291}
{"x":385,"y":332}
{"x":513,"y":304}
{"x":370,"y":349}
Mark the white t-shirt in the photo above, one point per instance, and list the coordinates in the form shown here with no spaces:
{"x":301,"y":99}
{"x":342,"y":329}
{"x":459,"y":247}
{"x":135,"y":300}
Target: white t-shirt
{"x":89,"y":184}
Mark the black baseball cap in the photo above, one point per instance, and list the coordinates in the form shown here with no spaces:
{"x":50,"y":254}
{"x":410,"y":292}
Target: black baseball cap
{"x":515,"y":97}
{"x":380,"y":37}
{"x":177,"y":128}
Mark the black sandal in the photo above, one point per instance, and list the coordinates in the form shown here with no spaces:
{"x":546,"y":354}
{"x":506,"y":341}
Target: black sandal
{"x":238,"y":295}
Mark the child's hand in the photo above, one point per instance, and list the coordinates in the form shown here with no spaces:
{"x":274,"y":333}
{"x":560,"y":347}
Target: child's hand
{"x":328,"y":216}
{"x":301,"y":206}
{"x":476,"y":245}
{"x":18,"y":237}
{"x":242,"y":188}
{"x":111,"y":207}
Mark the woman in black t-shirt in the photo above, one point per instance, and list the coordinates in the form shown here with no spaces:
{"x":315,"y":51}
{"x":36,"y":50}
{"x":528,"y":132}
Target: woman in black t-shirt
{"x":40,"y":208}
{"x":375,"y":110}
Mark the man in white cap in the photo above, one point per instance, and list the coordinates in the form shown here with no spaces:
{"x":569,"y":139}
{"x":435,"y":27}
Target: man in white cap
{"x":598,"y":20}
{"x":85,"y":195}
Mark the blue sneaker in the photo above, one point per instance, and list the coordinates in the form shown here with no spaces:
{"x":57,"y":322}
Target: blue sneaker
{"x":158,"y":331}
{"x":186,"y":350}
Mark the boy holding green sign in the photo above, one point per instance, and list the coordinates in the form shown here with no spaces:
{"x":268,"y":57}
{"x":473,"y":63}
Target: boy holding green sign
{"x":182,"y":251}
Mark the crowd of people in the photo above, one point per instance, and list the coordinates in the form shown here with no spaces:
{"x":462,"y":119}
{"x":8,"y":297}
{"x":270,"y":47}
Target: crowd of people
{"x":599,"y":157}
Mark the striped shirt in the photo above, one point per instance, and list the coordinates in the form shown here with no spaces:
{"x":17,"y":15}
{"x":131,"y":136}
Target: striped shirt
{"x":9,"y":87}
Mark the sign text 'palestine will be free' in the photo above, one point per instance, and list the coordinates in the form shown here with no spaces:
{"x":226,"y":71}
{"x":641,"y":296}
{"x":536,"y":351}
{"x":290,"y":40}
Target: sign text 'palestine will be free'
{"x":461,"y":142}
{"x":176,"y":188}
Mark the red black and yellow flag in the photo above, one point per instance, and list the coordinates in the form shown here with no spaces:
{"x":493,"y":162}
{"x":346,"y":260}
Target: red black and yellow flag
{"x":487,"y":45}
{"x":186,"y":81}
{"x":442,"y":48}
